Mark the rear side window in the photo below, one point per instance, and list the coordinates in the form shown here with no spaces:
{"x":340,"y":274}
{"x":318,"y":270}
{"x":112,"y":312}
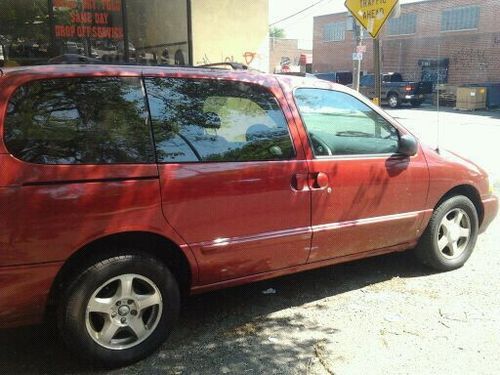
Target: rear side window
{"x":79,"y":121}
{"x":210,"y":121}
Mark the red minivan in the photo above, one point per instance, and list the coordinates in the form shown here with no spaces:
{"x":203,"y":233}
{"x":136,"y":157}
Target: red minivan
{"x":124,"y":188}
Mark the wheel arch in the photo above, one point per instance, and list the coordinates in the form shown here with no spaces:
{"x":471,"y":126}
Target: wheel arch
{"x":392,"y":92}
{"x":149,"y":243}
{"x":468,"y":191}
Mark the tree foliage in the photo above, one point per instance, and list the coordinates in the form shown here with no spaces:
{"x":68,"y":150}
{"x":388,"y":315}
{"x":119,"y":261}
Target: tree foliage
{"x":276,"y":32}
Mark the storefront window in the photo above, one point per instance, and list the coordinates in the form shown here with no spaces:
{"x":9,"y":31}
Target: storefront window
{"x":93,"y":31}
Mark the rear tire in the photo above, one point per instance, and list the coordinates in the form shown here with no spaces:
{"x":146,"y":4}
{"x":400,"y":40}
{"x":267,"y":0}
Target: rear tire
{"x":393,"y":100}
{"x":119,"y":309}
{"x":450,"y":236}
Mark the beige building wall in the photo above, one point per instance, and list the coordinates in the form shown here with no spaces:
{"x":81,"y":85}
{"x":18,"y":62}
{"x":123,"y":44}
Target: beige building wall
{"x":231,"y":30}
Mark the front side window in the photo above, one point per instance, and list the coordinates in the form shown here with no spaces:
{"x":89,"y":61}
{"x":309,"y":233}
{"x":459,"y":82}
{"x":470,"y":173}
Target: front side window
{"x":79,"y":121}
{"x":340,"y":124}
{"x":209,"y":121}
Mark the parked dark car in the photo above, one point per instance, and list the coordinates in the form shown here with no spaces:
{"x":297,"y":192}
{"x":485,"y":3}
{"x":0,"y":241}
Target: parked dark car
{"x":344,"y":78}
{"x":124,"y":188}
{"x":395,"y":90}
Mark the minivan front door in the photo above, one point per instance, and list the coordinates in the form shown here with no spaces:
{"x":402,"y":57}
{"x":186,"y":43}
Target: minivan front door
{"x":365,"y":195}
{"x":231,"y":175}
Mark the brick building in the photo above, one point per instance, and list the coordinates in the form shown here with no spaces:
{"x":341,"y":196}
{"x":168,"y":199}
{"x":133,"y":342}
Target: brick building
{"x":286,"y":52}
{"x":453,"y":41}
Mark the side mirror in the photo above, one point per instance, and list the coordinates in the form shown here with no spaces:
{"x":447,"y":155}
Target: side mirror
{"x":408,"y":145}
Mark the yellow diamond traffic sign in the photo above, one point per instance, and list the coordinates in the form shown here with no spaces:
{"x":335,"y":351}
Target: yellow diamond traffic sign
{"x":372,"y":14}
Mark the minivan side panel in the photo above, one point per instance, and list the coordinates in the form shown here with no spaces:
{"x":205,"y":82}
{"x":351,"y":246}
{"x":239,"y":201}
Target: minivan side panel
{"x":48,"y":212}
{"x":51,"y":209}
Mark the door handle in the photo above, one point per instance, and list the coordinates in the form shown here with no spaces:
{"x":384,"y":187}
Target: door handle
{"x":319,"y":181}
{"x":314,"y":181}
{"x":299,"y":181}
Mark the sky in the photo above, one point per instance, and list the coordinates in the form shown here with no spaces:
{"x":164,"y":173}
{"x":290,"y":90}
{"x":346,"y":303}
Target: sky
{"x":301,"y":26}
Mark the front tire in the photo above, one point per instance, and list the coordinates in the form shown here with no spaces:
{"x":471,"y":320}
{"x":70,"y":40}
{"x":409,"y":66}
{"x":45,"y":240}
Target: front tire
{"x":119,"y":309}
{"x":450,"y":236}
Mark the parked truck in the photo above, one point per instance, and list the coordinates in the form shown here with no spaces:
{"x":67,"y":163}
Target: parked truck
{"x":395,"y":90}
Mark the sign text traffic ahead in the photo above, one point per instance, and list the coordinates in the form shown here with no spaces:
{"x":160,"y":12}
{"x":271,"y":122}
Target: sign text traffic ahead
{"x":372,"y":14}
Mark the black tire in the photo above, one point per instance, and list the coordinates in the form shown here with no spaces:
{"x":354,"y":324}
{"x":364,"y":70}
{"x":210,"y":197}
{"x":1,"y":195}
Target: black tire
{"x":428,"y":250}
{"x":73,"y":320}
{"x":416,"y":103}
{"x":394,"y":100}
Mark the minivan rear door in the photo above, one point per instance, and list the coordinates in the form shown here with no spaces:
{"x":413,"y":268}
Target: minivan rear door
{"x":233,"y":174}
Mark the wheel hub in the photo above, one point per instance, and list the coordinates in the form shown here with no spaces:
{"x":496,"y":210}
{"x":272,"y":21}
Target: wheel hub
{"x":124,"y":310}
{"x":454,"y":234}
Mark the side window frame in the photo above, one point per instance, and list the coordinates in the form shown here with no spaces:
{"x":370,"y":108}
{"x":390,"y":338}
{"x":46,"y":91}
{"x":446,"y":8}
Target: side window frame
{"x":265,"y":89}
{"x":145,"y":115}
{"x":342,"y":156}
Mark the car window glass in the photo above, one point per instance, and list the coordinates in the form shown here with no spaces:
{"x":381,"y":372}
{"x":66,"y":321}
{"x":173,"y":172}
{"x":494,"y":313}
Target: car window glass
{"x":340,"y":124}
{"x":79,"y":121}
{"x":209,"y":120}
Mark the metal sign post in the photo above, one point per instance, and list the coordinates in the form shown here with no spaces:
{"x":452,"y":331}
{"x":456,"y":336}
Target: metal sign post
{"x":376,"y":71}
{"x":372,"y":15}
{"x":357,"y":61}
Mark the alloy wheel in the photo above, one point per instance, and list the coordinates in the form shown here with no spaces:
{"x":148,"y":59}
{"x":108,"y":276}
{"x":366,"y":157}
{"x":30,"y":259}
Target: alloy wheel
{"x":123,"y":312}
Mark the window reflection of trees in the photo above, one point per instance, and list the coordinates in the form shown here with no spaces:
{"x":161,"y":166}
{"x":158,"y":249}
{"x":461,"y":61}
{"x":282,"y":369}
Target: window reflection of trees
{"x":179,"y":109}
{"x":79,"y":121}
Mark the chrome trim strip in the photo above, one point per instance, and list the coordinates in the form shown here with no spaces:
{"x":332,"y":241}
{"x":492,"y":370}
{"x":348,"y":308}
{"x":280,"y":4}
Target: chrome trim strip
{"x":371,"y":220}
{"x":219,"y":244}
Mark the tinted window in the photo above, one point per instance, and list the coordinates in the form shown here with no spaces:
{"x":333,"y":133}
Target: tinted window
{"x":208,"y":120}
{"x":339,"y":124}
{"x":79,"y":121}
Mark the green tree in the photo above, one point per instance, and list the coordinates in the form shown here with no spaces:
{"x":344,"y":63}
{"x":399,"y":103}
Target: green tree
{"x":276,"y":32}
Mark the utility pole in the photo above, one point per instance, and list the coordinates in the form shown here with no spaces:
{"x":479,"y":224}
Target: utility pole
{"x":126,"y":51}
{"x":376,"y":70}
{"x":52,"y":41}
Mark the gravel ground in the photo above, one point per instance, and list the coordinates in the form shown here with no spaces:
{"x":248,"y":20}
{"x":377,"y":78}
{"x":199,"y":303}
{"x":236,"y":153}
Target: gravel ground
{"x":383,"y":315}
